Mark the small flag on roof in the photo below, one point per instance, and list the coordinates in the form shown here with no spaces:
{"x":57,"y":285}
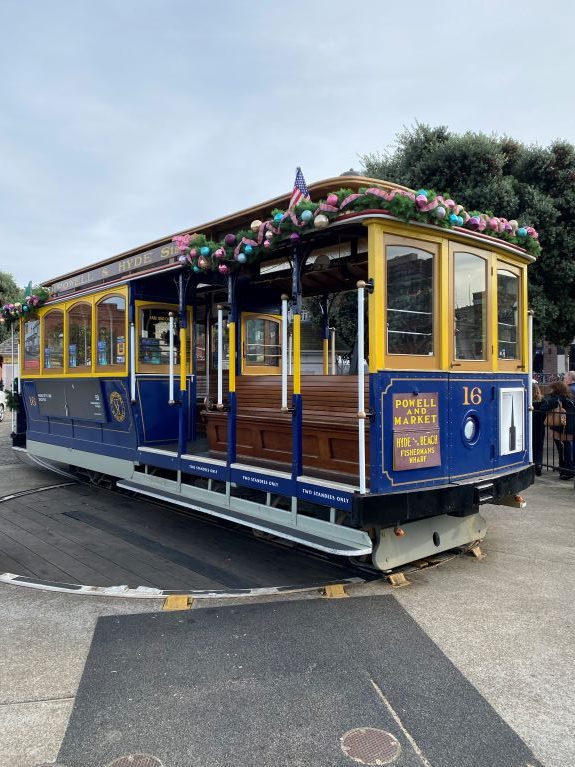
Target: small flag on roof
{"x":300,"y":190}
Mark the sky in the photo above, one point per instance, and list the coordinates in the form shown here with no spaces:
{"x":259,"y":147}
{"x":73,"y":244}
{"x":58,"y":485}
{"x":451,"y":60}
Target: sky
{"x":124,"y":121}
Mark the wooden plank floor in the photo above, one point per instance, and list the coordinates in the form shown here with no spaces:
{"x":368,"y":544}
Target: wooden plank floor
{"x":79,"y":534}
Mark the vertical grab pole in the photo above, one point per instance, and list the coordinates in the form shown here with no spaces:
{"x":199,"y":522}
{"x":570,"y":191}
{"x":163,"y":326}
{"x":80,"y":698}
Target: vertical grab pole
{"x":220,"y":402}
{"x":530,"y":386}
{"x":132,"y":361}
{"x":332,"y":331}
{"x":184,"y":414}
{"x":233,"y":406}
{"x":361,"y":383}
{"x":325,"y":334}
{"x":171,"y":353}
{"x":284,"y":405}
{"x":290,"y":353}
{"x":12,"y":382}
{"x":19,"y":365}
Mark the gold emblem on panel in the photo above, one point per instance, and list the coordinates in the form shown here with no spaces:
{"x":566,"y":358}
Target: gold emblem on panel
{"x":117,"y":407}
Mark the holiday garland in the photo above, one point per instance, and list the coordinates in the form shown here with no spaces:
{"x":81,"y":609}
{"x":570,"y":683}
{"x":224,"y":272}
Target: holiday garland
{"x":12,"y":312}
{"x":245,"y":246}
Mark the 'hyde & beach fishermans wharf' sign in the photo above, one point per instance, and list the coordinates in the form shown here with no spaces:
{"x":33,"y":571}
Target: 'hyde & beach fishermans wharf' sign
{"x":416,"y":442}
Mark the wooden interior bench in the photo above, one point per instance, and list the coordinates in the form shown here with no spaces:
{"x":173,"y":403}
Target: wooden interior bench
{"x":330,"y":424}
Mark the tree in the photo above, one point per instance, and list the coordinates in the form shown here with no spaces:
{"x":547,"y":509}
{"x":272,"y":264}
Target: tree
{"x":499,"y":175}
{"x":9,"y":293}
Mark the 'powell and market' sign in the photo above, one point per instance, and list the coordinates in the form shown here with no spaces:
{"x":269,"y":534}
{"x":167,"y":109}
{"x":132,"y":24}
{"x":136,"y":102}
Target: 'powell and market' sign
{"x":416,"y":442}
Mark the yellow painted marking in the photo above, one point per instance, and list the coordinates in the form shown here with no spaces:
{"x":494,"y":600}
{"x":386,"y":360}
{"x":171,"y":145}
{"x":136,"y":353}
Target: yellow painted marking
{"x":297,"y":354}
{"x":178,"y":602}
{"x":335,"y":591}
{"x":183,"y":359}
{"x":232,"y":357}
{"x":443,"y":318}
{"x":325,"y":357}
{"x":376,"y":301}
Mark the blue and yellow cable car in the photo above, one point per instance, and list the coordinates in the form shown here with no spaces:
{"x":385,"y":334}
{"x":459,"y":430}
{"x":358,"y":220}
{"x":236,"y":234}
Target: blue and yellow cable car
{"x":181,"y":370}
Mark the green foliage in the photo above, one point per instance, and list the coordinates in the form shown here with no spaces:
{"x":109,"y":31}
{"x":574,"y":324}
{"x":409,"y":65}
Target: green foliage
{"x":9,"y":293}
{"x":491,"y":173}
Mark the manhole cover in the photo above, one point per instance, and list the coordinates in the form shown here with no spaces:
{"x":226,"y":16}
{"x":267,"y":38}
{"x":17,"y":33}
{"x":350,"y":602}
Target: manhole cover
{"x":136,"y":760}
{"x":369,"y":745}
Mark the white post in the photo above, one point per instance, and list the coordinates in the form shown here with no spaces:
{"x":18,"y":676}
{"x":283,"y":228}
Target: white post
{"x":220,"y":402}
{"x":361,"y":385}
{"x":284,"y":405}
{"x":12,"y":381}
{"x":332,"y":334}
{"x":530,"y":385}
{"x":171,"y":352}
{"x":132,"y":362}
{"x":18,"y":367}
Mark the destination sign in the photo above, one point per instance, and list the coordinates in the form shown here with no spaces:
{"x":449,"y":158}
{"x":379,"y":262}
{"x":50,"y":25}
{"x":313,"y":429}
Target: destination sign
{"x":123,"y":266}
{"x":416,"y":436}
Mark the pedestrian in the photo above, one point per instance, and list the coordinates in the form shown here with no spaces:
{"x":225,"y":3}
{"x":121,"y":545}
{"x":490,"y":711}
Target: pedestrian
{"x":559,"y":405}
{"x":538,"y":419}
{"x":569,"y":379}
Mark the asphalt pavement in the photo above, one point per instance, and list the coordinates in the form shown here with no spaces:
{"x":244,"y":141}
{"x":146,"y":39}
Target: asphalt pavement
{"x":471,"y":664}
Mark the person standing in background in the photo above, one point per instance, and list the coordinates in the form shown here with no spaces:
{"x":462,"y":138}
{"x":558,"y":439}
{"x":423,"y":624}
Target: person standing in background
{"x":569,"y":379}
{"x":538,"y":417}
{"x":559,"y":405}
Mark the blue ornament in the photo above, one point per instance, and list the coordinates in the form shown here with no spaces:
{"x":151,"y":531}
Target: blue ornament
{"x":24,"y":308}
{"x":196,"y":268}
{"x":248,"y":250}
{"x":459,"y":220}
{"x":278,"y":218}
{"x":242,"y":258}
{"x":424,"y":192}
{"x":454,"y":218}
{"x":522,"y":232}
{"x":205,"y":251}
{"x":306,"y":216}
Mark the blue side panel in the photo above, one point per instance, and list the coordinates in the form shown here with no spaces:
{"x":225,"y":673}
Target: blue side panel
{"x":160,"y":420}
{"x":385,"y":473}
{"x":472,"y":406}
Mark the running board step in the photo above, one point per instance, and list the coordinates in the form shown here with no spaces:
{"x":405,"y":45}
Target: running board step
{"x":485,"y":492}
{"x":331,"y":541}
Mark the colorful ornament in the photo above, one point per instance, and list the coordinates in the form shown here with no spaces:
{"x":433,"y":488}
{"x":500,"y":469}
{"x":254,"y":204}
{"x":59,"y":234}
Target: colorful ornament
{"x":202,"y":263}
{"x":321,"y":221}
{"x":513,"y":224}
{"x":522,"y":232}
{"x":223,"y":269}
{"x":267,"y":244}
{"x":205,"y":251}
{"x":450,"y":204}
{"x":306,"y":216}
{"x":420,"y":200}
{"x":423,"y":192}
{"x":255,"y":225}
{"x":182,"y":259}
{"x":230,"y":239}
{"x":474,"y":222}
{"x":332,"y":199}
{"x":278,"y":218}
{"x":453,"y":218}
{"x":294,"y":237}
{"x":440,"y":212}
{"x":220,"y":253}
{"x":269,"y":235}
{"x":241,"y":258}
{"x":248,"y":250}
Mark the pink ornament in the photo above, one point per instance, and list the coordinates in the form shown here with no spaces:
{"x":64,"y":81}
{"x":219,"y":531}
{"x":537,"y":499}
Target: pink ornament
{"x":220,"y":253}
{"x":450,"y":204}
{"x":267,"y":244}
{"x":474,"y":222}
{"x":493,"y":224}
{"x":421,"y":200}
{"x":193,"y":253}
{"x":223,"y":269}
{"x":202,"y":263}
{"x":332,"y":199}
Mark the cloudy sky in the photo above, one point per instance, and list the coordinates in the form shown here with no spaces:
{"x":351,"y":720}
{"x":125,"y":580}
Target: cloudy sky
{"x":122,"y":121}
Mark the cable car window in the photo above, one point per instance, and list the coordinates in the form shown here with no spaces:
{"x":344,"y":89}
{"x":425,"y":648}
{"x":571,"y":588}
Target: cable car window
{"x":111,"y":329}
{"x":80,"y":336}
{"x":32,"y":345}
{"x":470,"y":306}
{"x":261,"y":345}
{"x":54,"y":341}
{"x":409,"y":300}
{"x":154,"y":343}
{"x":507,"y":314}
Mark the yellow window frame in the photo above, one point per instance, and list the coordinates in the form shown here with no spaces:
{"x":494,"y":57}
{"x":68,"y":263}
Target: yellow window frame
{"x":259,"y":370}
{"x":143,"y":368}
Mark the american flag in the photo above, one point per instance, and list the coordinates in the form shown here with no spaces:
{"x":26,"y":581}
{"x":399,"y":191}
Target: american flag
{"x":300,"y":190}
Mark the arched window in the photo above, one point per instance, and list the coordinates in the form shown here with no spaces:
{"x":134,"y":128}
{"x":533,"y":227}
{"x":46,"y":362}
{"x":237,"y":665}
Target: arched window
{"x":32,"y":346}
{"x":54,"y":341}
{"x":80,"y":338}
{"x":470,"y":306}
{"x":111,"y":330}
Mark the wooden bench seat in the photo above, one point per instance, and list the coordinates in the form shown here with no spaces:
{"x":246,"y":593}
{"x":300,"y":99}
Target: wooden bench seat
{"x":330,"y":424}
